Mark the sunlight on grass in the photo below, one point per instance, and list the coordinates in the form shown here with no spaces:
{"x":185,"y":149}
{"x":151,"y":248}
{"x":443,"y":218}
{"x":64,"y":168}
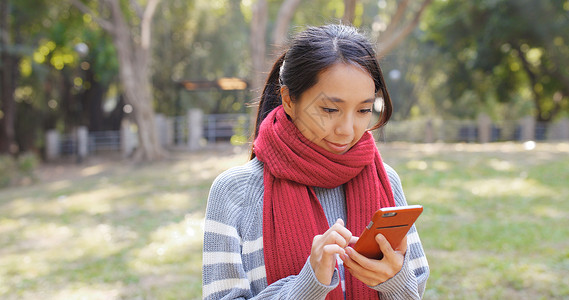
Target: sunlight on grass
{"x":112,"y":232}
{"x":499,"y":187}
{"x":93,"y":170}
{"x":81,"y":291}
{"x":104,"y":240}
{"x":169,"y":244}
{"x":177,"y":201}
{"x":501,"y":165}
{"x":59,"y":185}
{"x":495,"y":224}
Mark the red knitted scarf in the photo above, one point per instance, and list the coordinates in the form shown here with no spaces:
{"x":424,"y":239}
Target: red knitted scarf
{"x":292,"y":215}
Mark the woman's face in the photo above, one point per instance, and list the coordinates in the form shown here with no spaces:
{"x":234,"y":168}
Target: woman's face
{"x":336,"y":111}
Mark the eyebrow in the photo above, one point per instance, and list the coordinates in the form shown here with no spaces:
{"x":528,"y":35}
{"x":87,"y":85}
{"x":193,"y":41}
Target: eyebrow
{"x":336,"y":100}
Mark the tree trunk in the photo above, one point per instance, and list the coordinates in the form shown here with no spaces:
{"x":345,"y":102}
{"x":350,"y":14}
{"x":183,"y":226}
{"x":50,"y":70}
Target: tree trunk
{"x":8,"y":72}
{"x":134,"y":59}
{"x":258,"y":43}
{"x":135,"y":78}
{"x":258,"y":49}
{"x":349,"y":12}
{"x":286,"y":12}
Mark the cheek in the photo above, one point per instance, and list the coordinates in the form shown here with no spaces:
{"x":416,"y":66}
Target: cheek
{"x":309,"y":123}
{"x":315,"y":120}
{"x":362,"y":125}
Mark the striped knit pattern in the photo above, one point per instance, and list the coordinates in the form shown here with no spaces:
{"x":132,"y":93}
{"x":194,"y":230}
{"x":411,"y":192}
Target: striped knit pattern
{"x":233,"y":259}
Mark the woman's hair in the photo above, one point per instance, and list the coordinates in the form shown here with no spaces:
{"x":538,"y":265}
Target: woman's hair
{"x":312,"y":52}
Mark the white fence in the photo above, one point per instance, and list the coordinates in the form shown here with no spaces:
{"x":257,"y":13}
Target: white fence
{"x":191,"y":132}
{"x":195,"y":130}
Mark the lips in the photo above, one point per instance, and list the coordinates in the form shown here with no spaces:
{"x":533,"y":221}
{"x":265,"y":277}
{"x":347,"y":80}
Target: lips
{"x":339,"y":148}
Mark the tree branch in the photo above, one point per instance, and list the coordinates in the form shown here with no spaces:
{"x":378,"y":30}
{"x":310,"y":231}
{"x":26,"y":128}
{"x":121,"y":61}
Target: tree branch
{"x":394,"y":22}
{"x":396,"y":39}
{"x":286,"y":11}
{"x":105,"y":24}
{"x":137,"y":8}
{"x":146,"y":21}
{"x":533,"y":80}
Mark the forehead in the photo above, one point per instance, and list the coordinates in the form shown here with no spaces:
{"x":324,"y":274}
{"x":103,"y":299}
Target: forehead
{"x":347,"y":82}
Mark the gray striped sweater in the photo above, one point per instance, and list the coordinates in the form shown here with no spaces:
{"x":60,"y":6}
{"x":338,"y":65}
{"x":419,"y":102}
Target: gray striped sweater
{"x":233,"y":259}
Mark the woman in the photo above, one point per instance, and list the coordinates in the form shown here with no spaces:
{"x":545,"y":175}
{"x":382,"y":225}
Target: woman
{"x":282,"y":225}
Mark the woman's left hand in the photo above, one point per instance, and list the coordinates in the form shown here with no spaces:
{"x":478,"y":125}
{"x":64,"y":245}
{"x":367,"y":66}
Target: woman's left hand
{"x":372,"y":271}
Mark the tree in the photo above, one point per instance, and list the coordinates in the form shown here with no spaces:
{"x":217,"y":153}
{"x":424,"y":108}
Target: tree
{"x":8,"y":76}
{"x":200,"y":41}
{"x":258,"y":44}
{"x":499,"y":55}
{"x":22,"y":24}
{"x":130,"y":26}
{"x":401,"y":24}
{"x":349,"y":11}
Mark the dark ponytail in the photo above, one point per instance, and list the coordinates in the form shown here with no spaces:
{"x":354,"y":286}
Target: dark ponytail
{"x":271,"y":97}
{"x":312,"y":52}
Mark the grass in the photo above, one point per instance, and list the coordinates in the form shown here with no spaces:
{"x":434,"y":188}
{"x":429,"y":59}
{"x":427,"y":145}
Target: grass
{"x":496,"y":220}
{"x":495,"y":225}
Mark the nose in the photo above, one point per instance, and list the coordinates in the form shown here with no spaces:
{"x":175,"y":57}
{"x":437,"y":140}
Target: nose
{"x":345,"y":125}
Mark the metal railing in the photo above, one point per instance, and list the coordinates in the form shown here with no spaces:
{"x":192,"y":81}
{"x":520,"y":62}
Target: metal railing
{"x":219,"y":127}
{"x":224,"y":127}
{"x":452,"y":131}
{"x":104,"y":141}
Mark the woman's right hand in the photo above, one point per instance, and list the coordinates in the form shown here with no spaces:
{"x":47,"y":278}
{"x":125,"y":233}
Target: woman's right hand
{"x":324,"y":249}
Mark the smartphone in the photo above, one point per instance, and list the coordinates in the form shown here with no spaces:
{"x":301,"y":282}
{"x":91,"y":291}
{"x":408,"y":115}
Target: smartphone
{"x":393,"y":223}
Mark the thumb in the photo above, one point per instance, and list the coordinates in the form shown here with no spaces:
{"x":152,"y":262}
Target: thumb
{"x":384,"y":245}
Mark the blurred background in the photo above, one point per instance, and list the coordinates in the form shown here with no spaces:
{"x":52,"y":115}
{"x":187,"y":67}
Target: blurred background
{"x":116,"y":116}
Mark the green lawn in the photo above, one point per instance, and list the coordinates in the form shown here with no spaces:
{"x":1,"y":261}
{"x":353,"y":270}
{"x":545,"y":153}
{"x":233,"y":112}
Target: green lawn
{"x":495,"y":225}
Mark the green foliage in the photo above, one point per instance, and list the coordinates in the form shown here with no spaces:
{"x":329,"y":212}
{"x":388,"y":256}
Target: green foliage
{"x":500,"y":57}
{"x":7,"y":170}
{"x":240,"y":137}
{"x":199,"y":40}
{"x":499,"y":52}
{"x":17,"y":171}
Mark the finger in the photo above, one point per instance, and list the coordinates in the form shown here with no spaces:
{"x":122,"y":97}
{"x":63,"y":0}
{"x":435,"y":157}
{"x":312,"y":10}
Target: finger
{"x":335,"y":237}
{"x":317,"y":241}
{"x":354,"y":240}
{"x":359,"y":259}
{"x":329,"y":252}
{"x":338,"y":229}
{"x":365,"y":275}
{"x":384,"y":245}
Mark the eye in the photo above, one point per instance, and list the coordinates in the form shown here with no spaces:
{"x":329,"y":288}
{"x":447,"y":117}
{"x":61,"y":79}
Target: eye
{"x":329,"y":110}
{"x":365,"y":110}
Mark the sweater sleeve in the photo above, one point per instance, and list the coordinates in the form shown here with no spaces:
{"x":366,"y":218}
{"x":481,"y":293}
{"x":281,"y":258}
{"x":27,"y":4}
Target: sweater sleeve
{"x":410,"y":282}
{"x":233,"y":260}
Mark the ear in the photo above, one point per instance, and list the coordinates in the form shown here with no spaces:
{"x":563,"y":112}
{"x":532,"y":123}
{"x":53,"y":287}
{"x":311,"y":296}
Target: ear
{"x":288,"y":105}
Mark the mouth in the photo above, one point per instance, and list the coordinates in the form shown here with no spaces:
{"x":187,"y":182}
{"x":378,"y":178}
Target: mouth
{"x":338,"y":148}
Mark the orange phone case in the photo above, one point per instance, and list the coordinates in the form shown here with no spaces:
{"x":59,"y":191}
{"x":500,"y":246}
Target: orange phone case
{"x":393,"y":223}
